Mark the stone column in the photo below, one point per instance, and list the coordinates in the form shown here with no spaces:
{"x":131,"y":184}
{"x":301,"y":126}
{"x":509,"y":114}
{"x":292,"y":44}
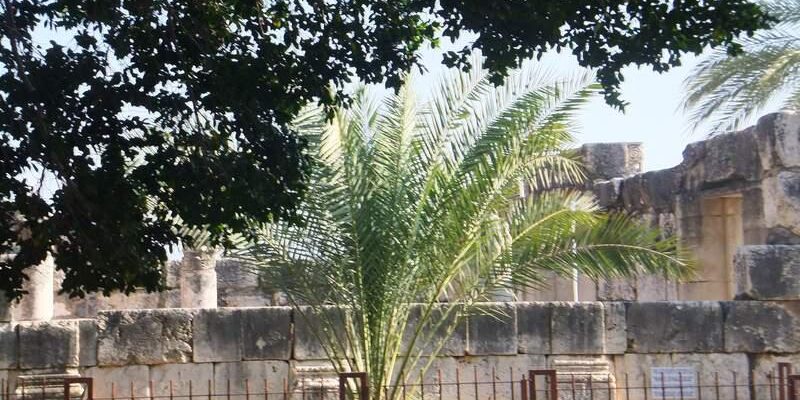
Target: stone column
{"x":37,"y":304}
{"x":198,"y":278}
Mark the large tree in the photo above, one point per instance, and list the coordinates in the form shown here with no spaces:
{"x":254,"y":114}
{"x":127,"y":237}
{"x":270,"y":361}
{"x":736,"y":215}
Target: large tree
{"x":145,"y":116}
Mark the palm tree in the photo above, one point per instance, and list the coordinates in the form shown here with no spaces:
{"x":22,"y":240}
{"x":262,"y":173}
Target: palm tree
{"x":727,"y":91}
{"x":413,"y":212}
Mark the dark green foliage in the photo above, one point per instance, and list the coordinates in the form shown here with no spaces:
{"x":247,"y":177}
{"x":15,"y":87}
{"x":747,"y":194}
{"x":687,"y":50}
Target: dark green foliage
{"x":147,"y":115}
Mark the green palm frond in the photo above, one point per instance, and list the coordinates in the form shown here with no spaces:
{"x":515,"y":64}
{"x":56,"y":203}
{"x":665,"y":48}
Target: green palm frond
{"x":727,"y":91}
{"x":413,"y":213}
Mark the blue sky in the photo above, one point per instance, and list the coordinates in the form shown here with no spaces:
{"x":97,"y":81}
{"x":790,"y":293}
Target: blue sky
{"x":653,"y":116}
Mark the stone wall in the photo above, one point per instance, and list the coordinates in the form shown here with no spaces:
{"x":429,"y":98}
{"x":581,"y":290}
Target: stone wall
{"x":740,"y":188}
{"x":217,"y":345}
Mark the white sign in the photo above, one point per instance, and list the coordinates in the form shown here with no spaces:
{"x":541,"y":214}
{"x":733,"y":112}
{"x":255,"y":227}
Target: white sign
{"x":673,"y":382}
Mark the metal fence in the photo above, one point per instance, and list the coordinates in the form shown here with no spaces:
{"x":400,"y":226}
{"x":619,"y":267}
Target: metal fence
{"x":778,"y":383}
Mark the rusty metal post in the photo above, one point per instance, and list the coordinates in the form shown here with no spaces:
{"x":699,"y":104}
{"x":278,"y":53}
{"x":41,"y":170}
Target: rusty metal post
{"x":523,"y":387}
{"x":784,"y":370}
{"x":793,"y":382}
{"x":364,"y":385}
{"x":89,"y":382}
{"x":552,"y":382}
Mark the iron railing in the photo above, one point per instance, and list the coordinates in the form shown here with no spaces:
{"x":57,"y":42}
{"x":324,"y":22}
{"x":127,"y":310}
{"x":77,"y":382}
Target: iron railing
{"x":459,"y":384}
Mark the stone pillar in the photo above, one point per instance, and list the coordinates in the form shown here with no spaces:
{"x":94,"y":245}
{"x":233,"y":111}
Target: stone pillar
{"x":198,"y":278}
{"x":37,"y":304}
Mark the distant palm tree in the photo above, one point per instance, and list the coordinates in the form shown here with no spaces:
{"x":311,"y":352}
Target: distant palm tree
{"x":413,"y":213}
{"x":726,"y":91}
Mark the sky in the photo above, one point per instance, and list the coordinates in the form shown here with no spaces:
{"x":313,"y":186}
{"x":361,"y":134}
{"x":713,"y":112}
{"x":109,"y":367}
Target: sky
{"x":653,"y":116}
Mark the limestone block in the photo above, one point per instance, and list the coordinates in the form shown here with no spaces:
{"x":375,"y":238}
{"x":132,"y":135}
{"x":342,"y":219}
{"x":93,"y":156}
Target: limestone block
{"x":144,"y":337}
{"x":493,"y":329}
{"x":266,"y":333}
{"x":727,"y":157}
{"x":661,"y":327}
{"x":217,"y":335}
{"x":533,"y":327}
{"x":454,"y":344}
{"x":117,"y":382}
{"x":765,"y":372}
{"x":499,"y":369}
{"x":616,"y":332}
{"x":655,"y":288}
{"x":768,"y":272}
{"x":8,"y":345}
{"x":782,"y":207}
{"x":608,"y":193}
{"x":232,"y":273}
{"x":634,"y":194}
{"x":584,"y":377}
{"x":198,"y":278}
{"x":48,"y":344}
{"x":635,"y":371}
{"x":760,"y":326}
{"x":660,"y":188}
{"x":616,"y":289}
{"x":309,"y":324}
{"x":87,"y":342}
{"x":577,"y":328}
{"x":177,"y":378}
{"x":610,"y":160}
{"x":251,"y":376}
{"x":315,"y":379}
{"x":727,"y":368}
{"x":5,"y":308}
{"x":779,"y":139}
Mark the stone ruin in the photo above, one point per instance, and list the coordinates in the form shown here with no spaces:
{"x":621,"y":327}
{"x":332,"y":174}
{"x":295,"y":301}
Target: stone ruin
{"x":735,"y":200}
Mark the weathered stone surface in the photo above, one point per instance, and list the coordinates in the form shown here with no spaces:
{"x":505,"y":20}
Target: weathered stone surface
{"x":217,"y":335}
{"x":655,"y":288}
{"x":759,"y":326}
{"x":779,"y":140}
{"x":453,"y":345}
{"x":123,"y":379}
{"x":87,"y":342}
{"x":577,"y":328}
{"x":198,"y":278}
{"x":616,"y":289}
{"x":768,"y":272}
{"x":144,"y":337}
{"x":638,"y":370}
{"x":493,"y":330}
{"x":179,"y":376}
{"x":267,"y":333}
{"x":720,"y":159}
{"x":608,"y":193}
{"x":253,"y":373}
{"x":308,"y":323}
{"x":611,"y":160}
{"x":48,"y":344}
{"x":728,"y":368}
{"x":782,"y":205}
{"x":533,"y":327}
{"x":616,"y":332}
{"x":662,"y":327}
{"x":660,"y":188}
{"x":584,"y":377}
{"x":238,"y":285}
{"x":765,"y":371}
{"x":8,"y":346}
{"x":634,"y":194}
